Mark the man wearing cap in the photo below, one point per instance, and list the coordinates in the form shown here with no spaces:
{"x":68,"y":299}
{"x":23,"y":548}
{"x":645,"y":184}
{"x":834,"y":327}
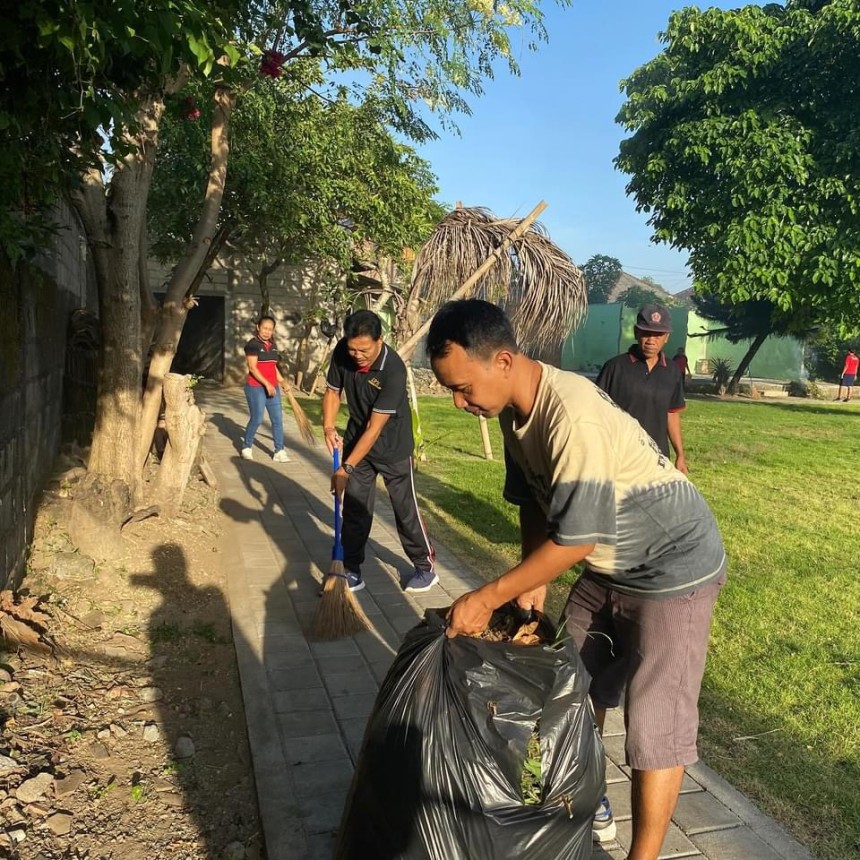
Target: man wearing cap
{"x":646,"y":385}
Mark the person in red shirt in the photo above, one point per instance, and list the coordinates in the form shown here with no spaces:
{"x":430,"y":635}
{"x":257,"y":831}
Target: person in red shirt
{"x":680,"y":359}
{"x":849,"y":374}
{"x":262,"y":389}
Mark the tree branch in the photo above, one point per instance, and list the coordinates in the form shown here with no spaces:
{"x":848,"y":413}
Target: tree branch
{"x":204,"y":231}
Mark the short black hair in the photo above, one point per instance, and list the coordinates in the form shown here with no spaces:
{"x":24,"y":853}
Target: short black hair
{"x":479,"y":327}
{"x":362,"y":324}
{"x":264,"y":317}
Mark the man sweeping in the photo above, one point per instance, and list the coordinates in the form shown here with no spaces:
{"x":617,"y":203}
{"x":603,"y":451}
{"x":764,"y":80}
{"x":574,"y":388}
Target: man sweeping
{"x":378,"y":441}
{"x":593,"y":487}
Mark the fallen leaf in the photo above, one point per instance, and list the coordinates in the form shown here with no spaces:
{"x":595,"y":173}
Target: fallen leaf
{"x":24,"y":609}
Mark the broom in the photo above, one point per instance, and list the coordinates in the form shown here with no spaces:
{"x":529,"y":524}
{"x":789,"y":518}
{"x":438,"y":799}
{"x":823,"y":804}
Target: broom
{"x":302,"y":421}
{"x":339,"y":613}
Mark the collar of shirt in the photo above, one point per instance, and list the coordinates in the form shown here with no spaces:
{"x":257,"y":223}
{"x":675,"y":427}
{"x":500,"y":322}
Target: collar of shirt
{"x":636,"y":355}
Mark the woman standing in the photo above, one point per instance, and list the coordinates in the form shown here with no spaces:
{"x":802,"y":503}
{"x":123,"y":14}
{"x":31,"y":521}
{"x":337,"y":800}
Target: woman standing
{"x":262,"y":389}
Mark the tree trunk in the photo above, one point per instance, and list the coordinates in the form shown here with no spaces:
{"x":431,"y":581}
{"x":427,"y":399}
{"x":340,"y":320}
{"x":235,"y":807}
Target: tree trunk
{"x":321,"y":366}
{"x":114,"y":223}
{"x":263,"y":282}
{"x":148,"y":305}
{"x":410,"y":319}
{"x":746,"y":361}
{"x":186,"y":425}
{"x":301,"y":353}
{"x":187,"y":275}
{"x":383,"y":265}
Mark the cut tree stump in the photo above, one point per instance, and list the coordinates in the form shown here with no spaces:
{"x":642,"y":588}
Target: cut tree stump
{"x":185,"y":423}
{"x":206,"y":471}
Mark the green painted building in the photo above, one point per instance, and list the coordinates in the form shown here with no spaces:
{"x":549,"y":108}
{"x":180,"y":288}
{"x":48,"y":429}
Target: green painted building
{"x":608,"y":331}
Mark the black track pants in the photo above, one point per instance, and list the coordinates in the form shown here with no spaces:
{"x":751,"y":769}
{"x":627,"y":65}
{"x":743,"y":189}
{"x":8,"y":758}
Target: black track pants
{"x":358,"y":501}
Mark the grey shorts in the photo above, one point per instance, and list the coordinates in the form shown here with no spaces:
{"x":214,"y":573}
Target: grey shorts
{"x":656,"y":650}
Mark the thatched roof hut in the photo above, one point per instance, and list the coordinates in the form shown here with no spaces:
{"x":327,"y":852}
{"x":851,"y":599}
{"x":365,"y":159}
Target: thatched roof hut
{"x":536,"y":282}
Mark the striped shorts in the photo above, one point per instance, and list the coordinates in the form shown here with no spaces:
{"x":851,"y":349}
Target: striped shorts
{"x":655,"y":649}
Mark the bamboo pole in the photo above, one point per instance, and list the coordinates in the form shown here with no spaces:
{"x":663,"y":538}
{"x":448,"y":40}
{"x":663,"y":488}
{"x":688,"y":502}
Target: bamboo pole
{"x":485,"y":438}
{"x":408,"y":349}
{"x":417,"y":430}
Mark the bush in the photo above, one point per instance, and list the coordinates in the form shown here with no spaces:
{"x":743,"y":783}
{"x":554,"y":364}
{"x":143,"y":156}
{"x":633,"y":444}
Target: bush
{"x":721,"y":373}
{"x":805,"y":389}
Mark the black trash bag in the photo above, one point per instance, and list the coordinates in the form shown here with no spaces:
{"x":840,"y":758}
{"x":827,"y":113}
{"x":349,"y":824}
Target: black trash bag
{"x":440,"y":770}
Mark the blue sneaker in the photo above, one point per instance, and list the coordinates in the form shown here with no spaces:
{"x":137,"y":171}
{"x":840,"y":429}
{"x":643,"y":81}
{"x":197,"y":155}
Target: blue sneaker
{"x":423,"y":580}
{"x":354,"y":582}
{"x":603,"y":824}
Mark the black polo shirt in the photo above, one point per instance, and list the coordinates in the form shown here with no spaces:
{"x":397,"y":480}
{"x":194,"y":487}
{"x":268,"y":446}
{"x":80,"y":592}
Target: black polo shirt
{"x":648,"y":395}
{"x":379,"y":388}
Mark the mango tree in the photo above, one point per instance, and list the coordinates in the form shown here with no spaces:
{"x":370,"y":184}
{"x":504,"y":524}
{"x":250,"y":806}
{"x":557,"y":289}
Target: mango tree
{"x":743,"y":150}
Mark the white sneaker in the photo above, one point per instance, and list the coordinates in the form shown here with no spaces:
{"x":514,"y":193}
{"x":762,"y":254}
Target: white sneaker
{"x":247,"y":453}
{"x":281,"y":456}
{"x":603,"y":823}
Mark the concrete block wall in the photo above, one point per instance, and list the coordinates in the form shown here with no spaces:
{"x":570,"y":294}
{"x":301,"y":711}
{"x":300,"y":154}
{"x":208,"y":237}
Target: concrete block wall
{"x":290,"y":292}
{"x":35,"y":302}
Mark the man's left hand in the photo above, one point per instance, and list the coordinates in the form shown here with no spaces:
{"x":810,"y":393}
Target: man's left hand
{"x":681,"y":465}
{"x":532,"y":600}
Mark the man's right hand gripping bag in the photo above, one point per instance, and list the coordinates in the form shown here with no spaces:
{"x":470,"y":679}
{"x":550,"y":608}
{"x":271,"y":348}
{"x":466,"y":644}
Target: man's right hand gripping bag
{"x":448,"y":767}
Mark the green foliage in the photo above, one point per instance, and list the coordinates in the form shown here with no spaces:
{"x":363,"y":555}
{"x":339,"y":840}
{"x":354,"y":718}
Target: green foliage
{"x":744,"y":150}
{"x":636,"y":297}
{"x":601,"y":274}
{"x":309,"y":178}
{"x":796,"y":388}
{"x":140,"y":792}
{"x":826,"y":351}
{"x":746,"y":320}
{"x":72,"y":75}
{"x":530,"y":779}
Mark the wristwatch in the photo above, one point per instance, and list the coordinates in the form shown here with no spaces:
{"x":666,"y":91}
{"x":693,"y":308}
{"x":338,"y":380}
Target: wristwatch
{"x":348,"y":468}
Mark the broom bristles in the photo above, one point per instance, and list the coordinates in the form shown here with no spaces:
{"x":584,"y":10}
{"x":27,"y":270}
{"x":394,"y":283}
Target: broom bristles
{"x":339,"y":613}
{"x":302,"y":421}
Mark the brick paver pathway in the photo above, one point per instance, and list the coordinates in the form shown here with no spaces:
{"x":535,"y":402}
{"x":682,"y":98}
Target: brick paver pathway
{"x":307,"y":702}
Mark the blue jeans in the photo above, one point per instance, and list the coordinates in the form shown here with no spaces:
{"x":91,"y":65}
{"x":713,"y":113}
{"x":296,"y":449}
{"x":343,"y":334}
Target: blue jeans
{"x":259,"y":402}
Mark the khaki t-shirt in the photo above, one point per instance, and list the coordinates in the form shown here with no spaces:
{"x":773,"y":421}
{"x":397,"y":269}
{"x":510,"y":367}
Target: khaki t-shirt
{"x":599,"y":478}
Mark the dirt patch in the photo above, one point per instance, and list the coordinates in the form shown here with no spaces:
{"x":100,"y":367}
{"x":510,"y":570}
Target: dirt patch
{"x":128,"y":740}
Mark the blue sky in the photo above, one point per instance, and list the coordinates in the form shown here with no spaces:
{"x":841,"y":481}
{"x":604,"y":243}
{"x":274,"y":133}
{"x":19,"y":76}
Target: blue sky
{"x":551,"y":135}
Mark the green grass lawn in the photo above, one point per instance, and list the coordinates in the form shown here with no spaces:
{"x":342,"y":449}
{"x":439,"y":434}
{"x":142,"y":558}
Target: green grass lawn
{"x":781,"y":699}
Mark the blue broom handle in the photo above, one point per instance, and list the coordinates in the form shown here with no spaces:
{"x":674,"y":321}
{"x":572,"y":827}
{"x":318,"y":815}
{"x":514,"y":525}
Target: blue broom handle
{"x":337,"y":548}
